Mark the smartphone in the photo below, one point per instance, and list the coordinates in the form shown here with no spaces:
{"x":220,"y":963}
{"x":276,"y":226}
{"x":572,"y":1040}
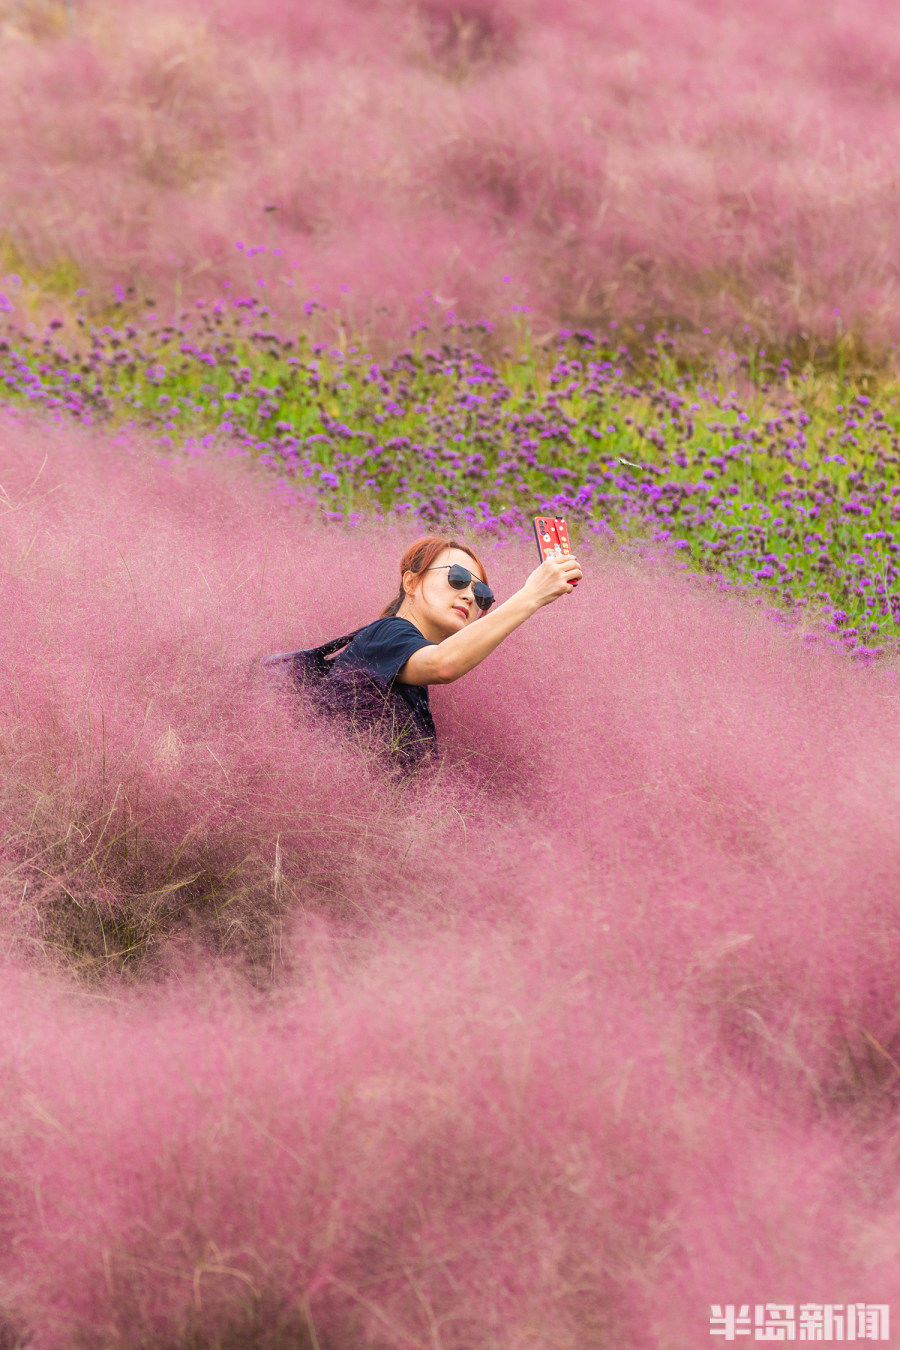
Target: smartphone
{"x":545,"y":533}
{"x":552,"y":535}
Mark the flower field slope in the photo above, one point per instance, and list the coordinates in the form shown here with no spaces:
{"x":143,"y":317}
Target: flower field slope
{"x":592,"y":1029}
{"x":718,"y":165}
{"x":783,"y":484}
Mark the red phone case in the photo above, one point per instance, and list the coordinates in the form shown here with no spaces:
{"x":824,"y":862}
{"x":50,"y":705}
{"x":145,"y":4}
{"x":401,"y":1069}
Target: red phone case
{"x":552,"y":535}
{"x":546,"y":536}
{"x":563,"y":534}
{"x":562,"y":531}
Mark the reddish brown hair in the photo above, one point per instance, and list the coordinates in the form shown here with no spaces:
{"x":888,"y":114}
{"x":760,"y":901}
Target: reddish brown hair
{"x":418,"y":558}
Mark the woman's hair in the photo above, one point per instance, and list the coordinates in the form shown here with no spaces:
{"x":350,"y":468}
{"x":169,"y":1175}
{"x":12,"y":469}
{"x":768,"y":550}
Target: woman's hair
{"x":418,"y":558}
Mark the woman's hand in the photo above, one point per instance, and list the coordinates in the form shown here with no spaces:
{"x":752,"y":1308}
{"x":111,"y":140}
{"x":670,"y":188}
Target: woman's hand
{"x":551,"y":579}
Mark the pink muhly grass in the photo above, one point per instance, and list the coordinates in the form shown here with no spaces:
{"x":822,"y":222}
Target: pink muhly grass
{"x":151,"y":780}
{"x":680,"y":750}
{"x":661,"y":162}
{"x":416,"y":1154}
{"x":591,"y":1029}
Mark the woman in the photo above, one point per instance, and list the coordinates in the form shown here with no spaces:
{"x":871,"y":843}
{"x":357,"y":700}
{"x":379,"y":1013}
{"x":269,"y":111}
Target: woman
{"x":436,"y":629}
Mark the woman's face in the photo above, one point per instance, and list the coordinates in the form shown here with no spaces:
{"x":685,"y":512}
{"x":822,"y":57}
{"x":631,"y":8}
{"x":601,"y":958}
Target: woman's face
{"x":438,"y":609}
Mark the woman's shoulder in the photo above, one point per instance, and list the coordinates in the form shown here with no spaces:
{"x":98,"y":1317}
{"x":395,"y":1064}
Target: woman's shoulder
{"x":382,"y":647}
{"x":388,"y":629}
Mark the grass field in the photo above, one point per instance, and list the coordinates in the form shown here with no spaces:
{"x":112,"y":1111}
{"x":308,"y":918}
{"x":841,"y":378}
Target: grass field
{"x":593,"y":1028}
{"x":534,"y":1051}
{"x":530,"y":1053}
{"x":713,"y":165}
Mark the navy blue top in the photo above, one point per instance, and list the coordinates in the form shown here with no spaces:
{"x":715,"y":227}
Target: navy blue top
{"x":362,"y":684}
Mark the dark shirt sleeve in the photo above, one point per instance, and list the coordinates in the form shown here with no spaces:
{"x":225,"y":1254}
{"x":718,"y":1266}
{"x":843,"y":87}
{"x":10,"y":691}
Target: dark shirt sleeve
{"x":385,"y":647}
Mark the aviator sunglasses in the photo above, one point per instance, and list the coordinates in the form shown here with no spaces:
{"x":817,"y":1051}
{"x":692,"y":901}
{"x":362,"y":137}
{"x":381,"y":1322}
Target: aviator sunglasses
{"x":459,"y":578}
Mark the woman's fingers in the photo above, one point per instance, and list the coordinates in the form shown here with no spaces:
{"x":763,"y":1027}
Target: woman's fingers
{"x":554,"y":577}
{"x":571,"y":572}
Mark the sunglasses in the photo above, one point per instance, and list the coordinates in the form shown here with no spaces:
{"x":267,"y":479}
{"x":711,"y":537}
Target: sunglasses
{"x":459,"y":578}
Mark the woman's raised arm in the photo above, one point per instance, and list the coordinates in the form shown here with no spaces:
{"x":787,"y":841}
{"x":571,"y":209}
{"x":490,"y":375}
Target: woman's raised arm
{"x":456,"y":655}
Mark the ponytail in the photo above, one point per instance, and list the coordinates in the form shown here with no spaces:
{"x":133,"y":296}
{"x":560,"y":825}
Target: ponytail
{"x":390,"y":610}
